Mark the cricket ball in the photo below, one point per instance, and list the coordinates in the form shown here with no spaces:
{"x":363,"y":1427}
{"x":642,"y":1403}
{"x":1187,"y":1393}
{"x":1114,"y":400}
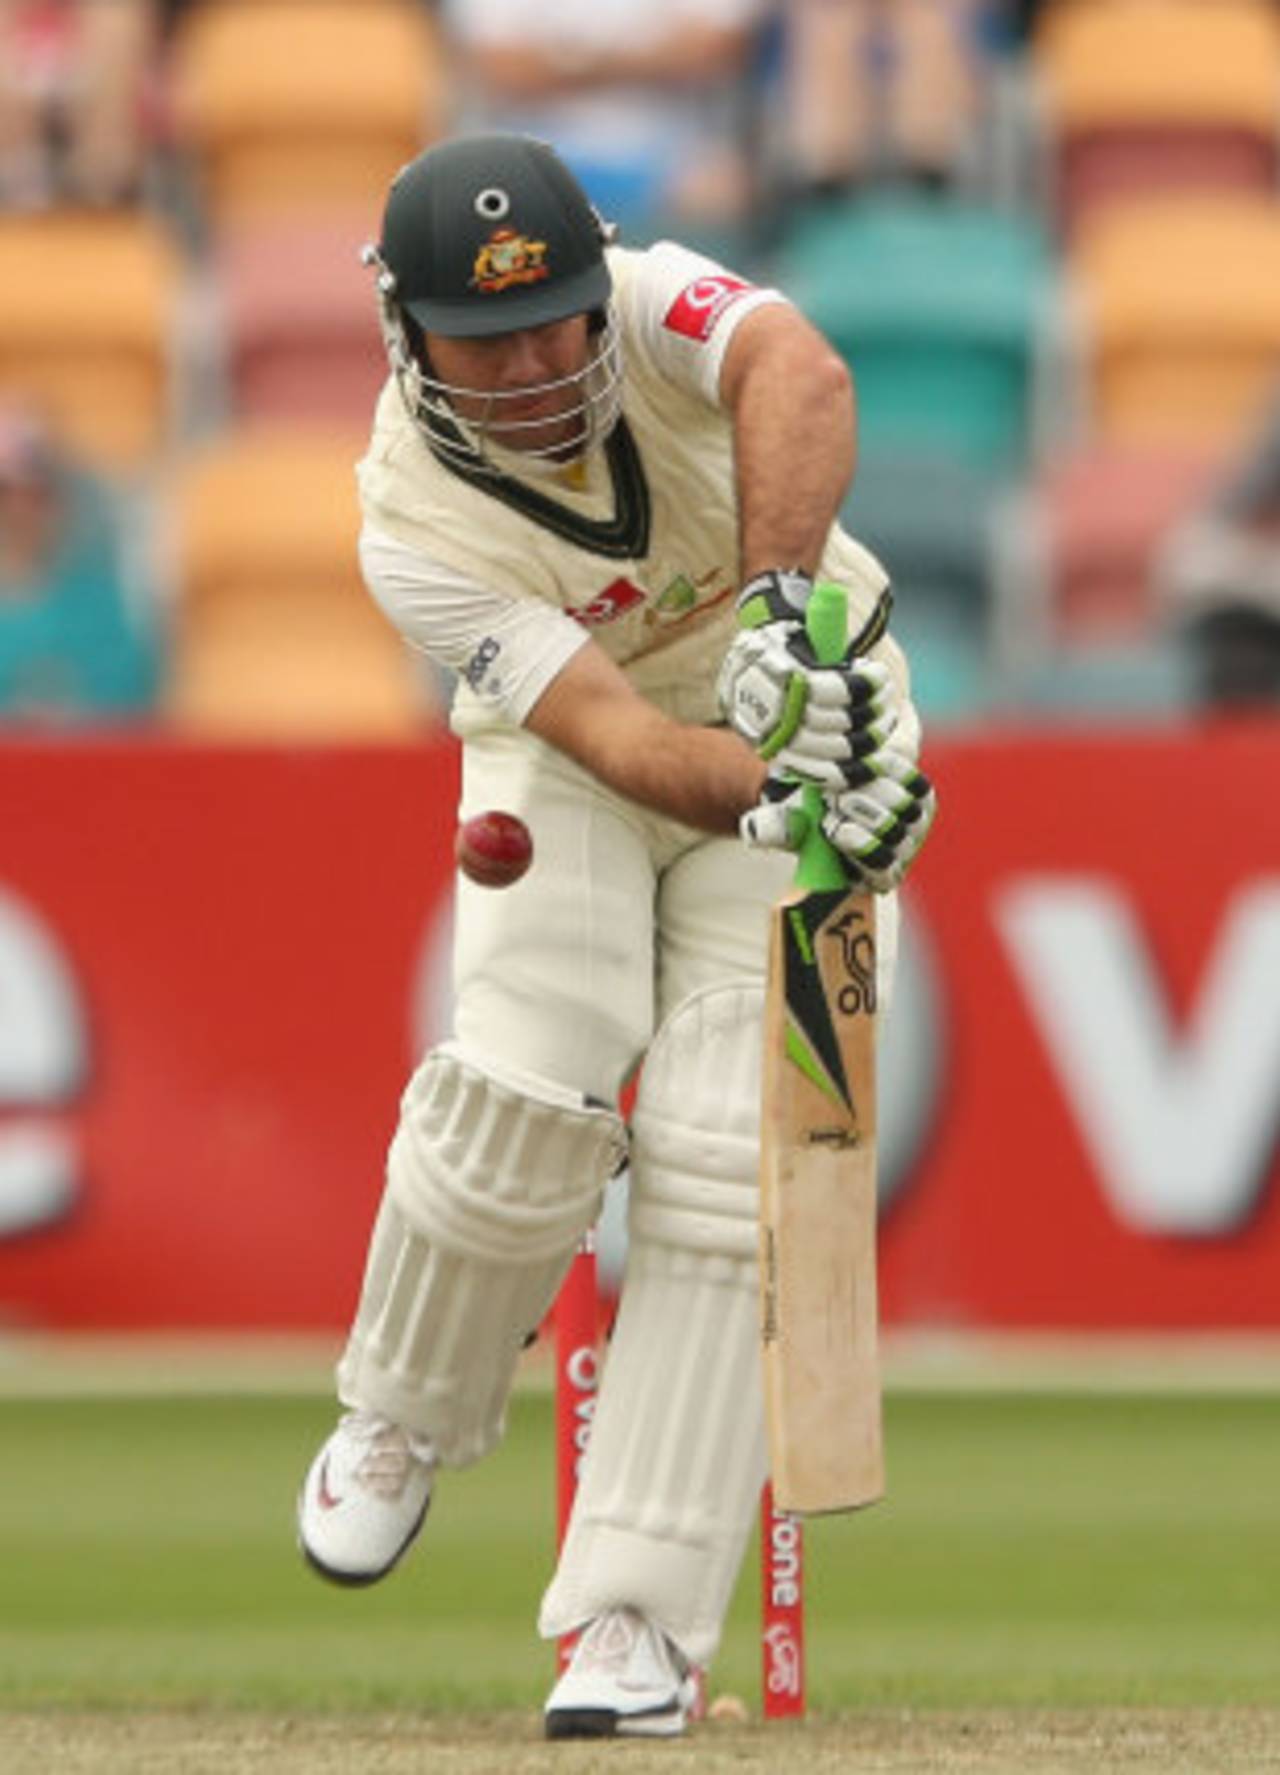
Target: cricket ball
{"x":493,"y":849}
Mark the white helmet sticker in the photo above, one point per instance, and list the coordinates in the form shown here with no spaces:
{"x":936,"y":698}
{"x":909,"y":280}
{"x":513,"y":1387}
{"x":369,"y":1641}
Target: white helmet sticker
{"x":493,"y":203}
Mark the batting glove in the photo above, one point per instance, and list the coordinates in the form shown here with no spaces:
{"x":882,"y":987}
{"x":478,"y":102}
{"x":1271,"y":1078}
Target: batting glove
{"x":877,"y":820}
{"x":779,"y":599}
{"x":805,"y":718}
{"x":779,"y":596}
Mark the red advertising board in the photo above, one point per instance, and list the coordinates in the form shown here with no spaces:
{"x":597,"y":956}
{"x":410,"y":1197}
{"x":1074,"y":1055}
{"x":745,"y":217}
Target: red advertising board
{"x":216,"y":968}
{"x":240,"y":932}
{"x":1104,"y":915}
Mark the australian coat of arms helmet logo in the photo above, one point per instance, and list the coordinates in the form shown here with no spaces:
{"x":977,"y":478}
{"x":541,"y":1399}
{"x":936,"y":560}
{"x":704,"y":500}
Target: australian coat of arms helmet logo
{"x":506,"y":258}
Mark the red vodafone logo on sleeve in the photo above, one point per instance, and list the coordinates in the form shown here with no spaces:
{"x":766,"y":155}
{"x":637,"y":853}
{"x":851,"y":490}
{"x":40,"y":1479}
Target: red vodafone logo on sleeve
{"x":699,"y":306}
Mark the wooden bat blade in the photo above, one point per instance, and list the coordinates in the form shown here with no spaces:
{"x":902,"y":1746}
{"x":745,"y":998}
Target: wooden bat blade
{"x":818,"y":1205}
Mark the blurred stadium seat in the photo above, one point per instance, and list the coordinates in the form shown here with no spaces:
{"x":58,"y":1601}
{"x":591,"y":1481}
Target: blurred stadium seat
{"x":938,"y":306}
{"x":1097,"y":520}
{"x":302,"y":104}
{"x":927,"y":518}
{"x":299,"y":328}
{"x":1075,"y":617}
{"x":1140,"y":684}
{"x":275,"y":637}
{"x":1180,"y":302}
{"x":88,"y":311}
{"x":1140,"y":96}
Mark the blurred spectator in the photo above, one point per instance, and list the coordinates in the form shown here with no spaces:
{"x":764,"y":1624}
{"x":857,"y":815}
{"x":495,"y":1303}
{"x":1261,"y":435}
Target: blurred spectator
{"x":1018,"y":16}
{"x":71,"y":644}
{"x":644,"y":98}
{"x":1219,"y":580}
{"x":77,"y":82}
{"x":880,"y":88}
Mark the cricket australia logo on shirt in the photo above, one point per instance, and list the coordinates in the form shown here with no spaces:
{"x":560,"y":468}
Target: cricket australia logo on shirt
{"x":683,"y":597}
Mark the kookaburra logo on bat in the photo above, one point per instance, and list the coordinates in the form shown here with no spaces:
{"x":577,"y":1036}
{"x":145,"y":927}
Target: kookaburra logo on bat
{"x":858,"y":956}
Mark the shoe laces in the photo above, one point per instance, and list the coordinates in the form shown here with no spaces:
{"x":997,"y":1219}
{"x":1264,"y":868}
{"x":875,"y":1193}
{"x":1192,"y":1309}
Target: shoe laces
{"x":390,"y":1455}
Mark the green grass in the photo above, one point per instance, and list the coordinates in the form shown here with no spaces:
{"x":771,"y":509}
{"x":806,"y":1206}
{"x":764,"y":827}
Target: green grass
{"x":1034,"y":1549}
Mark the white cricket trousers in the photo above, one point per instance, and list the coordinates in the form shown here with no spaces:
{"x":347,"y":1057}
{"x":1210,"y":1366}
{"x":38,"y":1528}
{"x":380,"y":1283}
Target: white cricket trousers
{"x":622,"y":916}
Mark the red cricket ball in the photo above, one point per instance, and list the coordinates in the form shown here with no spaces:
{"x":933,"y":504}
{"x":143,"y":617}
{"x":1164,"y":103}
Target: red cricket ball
{"x":493,"y":849}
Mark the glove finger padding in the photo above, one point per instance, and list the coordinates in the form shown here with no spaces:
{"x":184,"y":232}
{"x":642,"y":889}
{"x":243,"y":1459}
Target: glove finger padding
{"x":895,"y":763}
{"x":878,"y":828}
{"x":803,"y":717}
{"x":778,"y":821}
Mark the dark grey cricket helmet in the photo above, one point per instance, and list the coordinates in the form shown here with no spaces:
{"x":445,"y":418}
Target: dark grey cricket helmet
{"x":483,"y":235}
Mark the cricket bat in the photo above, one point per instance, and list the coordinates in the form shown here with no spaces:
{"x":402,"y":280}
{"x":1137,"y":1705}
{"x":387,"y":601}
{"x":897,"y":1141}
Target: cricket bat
{"x":819,"y":1314}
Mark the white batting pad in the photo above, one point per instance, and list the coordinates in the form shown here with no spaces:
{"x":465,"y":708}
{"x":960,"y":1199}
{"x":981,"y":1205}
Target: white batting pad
{"x":492,"y":1178}
{"x":673,"y":1471}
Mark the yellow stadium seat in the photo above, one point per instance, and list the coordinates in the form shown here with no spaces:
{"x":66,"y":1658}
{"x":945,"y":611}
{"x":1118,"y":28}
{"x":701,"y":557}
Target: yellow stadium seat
{"x":88,"y":305}
{"x":303,"y":104}
{"x":1181,"y":303}
{"x":275,"y":637}
{"x":1140,"y":96}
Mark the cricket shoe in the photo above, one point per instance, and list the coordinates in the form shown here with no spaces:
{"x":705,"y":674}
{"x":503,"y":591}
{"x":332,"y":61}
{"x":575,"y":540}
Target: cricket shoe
{"x":364,"y":1498}
{"x":625,"y":1679}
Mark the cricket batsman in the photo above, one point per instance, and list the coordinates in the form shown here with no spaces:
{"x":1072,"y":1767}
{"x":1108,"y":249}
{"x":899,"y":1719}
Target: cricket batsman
{"x":598,"y":489}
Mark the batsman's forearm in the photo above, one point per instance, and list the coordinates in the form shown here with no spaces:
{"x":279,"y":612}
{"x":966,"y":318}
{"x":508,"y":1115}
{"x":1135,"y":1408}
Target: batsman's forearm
{"x":704,"y":776}
{"x":794,"y":432}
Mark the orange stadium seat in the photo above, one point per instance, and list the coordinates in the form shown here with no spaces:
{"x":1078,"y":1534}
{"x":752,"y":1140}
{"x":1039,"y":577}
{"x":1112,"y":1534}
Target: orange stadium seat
{"x":275,"y":637}
{"x":300,"y":329}
{"x":1180,"y":300}
{"x":1140,"y":96}
{"x":88,"y":307}
{"x":302,"y":104}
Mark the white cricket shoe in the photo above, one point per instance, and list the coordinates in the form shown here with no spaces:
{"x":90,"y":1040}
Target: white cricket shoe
{"x":625,"y":1679}
{"x":364,"y":1498}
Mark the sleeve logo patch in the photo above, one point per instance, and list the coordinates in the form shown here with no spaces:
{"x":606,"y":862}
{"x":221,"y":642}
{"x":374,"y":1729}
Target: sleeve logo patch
{"x":614,"y":601}
{"x":696,"y":311}
{"x":477,"y":670}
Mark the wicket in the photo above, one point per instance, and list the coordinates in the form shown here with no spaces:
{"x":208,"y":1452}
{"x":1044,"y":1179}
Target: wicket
{"x":577,"y":1358}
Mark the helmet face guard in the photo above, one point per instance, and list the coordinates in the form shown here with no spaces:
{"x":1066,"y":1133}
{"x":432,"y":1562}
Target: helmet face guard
{"x":484,"y":236}
{"x":469,"y":424}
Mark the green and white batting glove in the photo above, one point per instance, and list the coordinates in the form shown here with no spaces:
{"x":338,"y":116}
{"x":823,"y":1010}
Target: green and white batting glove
{"x":877,"y":818}
{"x":778,"y":600}
{"x":801,"y":717}
{"x":779,"y":596}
